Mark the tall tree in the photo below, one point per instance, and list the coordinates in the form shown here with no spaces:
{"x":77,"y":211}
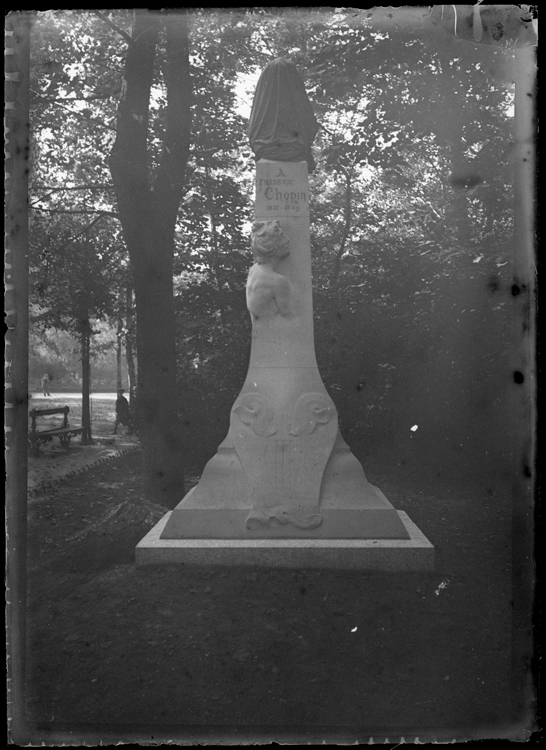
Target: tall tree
{"x":148,"y":214}
{"x":73,"y":271}
{"x":77,"y":78}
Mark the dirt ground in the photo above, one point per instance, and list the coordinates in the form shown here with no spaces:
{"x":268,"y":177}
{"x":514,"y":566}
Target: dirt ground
{"x":249,"y":655}
{"x":54,"y":463}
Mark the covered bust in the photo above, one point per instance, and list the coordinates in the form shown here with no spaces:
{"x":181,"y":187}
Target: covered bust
{"x":282,"y":123}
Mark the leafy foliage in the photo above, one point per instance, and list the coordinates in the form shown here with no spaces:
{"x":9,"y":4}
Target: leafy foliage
{"x":411,"y":212}
{"x":73,"y":273}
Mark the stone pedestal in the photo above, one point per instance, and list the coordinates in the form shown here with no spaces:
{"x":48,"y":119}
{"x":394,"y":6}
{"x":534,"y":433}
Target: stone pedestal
{"x":413,"y":554}
{"x":283,"y":487}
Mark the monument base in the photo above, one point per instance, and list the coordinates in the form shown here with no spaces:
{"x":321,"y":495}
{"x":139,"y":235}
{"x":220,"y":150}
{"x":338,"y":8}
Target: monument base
{"x":415,"y":553}
{"x":229,"y":523}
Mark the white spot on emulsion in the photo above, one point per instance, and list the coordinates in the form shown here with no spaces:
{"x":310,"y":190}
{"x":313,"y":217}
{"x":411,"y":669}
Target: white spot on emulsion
{"x":354,"y":630}
{"x":443,"y":585}
{"x":414,"y":428}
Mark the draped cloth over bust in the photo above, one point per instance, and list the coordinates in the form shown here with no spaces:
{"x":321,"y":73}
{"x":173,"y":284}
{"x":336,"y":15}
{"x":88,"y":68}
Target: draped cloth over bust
{"x":282,"y":123}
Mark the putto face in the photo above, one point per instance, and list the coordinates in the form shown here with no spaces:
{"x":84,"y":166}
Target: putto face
{"x":268,"y":240}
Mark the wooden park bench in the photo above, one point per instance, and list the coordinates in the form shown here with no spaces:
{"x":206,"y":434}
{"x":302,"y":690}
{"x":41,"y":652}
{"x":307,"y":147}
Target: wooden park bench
{"x":64,"y":432}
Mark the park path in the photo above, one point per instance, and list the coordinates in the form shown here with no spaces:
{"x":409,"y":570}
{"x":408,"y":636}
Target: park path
{"x":68,"y":396}
{"x":55,"y":464}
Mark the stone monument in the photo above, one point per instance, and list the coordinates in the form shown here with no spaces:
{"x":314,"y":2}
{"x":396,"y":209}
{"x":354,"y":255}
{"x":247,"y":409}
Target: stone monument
{"x":284,"y":471}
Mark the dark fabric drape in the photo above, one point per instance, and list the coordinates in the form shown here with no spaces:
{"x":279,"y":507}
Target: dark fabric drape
{"x":282,"y":123}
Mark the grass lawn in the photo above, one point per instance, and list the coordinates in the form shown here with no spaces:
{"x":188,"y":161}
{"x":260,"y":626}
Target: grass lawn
{"x":103,"y":412}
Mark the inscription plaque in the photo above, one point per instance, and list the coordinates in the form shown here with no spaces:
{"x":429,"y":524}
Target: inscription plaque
{"x":282,"y":190}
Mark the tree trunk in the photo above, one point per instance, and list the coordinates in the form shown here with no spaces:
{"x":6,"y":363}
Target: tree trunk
{"x":86,"y":382}
{"x":148,"y":218}
{"x":347,"y":225}
{"x":119,"y":379}
{"x":215,"y":254}
{"x":129,"y":355}
{"x":337,"y":295}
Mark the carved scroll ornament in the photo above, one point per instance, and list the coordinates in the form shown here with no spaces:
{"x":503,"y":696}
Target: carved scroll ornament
{"x":311,"y":409}
{"x":256,"y":411}
{"x":262,"y":517}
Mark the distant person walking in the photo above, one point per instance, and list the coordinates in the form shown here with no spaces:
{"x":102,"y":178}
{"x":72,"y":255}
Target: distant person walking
{"x":123,"y":413}
{"x":45,"y":384}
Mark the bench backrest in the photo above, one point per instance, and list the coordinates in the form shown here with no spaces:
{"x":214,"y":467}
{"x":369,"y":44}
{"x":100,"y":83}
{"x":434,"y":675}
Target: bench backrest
{"x":45,"y":412}
{"x":34,"y":413}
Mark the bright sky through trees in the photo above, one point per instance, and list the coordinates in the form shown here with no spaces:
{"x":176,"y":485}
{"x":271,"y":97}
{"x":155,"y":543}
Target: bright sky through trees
{"x":244,"y":91}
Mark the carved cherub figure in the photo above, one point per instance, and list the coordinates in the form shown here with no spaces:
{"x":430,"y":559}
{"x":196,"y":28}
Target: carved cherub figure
{"x":268,"y":292}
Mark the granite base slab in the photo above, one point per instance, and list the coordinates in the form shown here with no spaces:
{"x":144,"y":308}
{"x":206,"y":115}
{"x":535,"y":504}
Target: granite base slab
{"x":415,"y":553}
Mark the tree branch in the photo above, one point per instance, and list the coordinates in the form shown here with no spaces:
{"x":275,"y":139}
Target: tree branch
{"x":327,"y":130}
{"x":215,"y":149}
{"x":77,"y":211}
{"x":76,"y":98}
{"x":43,"y":99}
{"x":53,"y":188}
{"x":112,"y":25}
{"x":347,"y":222}
{"x":85,"y":229}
